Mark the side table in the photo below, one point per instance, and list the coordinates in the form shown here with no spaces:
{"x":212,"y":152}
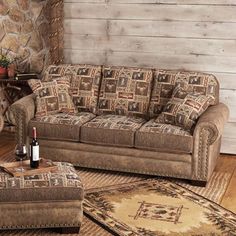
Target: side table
{"x":15,"y":89}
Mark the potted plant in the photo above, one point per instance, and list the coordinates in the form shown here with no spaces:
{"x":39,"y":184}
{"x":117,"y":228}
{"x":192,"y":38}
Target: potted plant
{"x":7,"y":65}
{"x":4,"y":63}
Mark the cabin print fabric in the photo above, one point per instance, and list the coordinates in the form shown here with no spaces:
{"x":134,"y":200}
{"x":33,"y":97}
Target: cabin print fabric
{"x":84,"y":86}
{"x":184,"y":108}
{"x":52,"y":97}
{"x":166,"y":80}
{"x":55,"y":72}
{"x":125,"y":91}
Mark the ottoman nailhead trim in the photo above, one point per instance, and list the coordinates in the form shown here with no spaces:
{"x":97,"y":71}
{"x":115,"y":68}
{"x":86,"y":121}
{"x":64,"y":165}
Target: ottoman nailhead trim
{"x":38,"y":226}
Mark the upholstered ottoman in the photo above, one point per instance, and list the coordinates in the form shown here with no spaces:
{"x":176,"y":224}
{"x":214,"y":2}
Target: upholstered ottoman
{"x":48,"y":200}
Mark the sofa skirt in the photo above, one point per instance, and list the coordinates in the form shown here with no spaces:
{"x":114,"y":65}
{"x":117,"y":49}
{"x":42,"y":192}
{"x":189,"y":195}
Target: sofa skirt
{"x":133,"y":160}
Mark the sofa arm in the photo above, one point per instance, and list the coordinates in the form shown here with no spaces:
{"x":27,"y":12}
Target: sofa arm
{"x":207,"y":139}
{"x":23,"y":111}
{"x":213,"y":119}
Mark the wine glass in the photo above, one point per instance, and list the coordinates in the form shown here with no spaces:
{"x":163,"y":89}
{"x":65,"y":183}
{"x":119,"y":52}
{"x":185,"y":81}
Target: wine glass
{"x":20,"y":152}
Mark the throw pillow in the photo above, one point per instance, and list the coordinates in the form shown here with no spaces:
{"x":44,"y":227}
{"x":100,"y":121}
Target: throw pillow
{"x":52,"y":97}
{"x":184,"y":108}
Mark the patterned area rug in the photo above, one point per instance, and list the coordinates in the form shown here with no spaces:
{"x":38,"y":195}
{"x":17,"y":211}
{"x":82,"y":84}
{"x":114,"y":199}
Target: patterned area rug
{"x":99,"y":179}
{"x":157,"y":207}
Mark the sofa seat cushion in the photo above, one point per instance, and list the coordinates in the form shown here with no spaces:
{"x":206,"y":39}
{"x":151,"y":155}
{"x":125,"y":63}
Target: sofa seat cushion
{"x":125,"y":91}
{"x":157,"y":136}
{"x":60,"y":126}
{"x":112,"y":130}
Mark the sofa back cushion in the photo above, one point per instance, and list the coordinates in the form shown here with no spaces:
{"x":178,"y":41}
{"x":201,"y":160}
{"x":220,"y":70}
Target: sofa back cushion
{"x":125,"y":91}
{"x":166,"y":80}
{"x":55,"y":71}
{"x":84,"y":85}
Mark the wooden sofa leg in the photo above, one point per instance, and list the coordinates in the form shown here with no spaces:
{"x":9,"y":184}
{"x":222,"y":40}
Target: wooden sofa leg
{"x":70,"y":230}
{"x":198,"y":183}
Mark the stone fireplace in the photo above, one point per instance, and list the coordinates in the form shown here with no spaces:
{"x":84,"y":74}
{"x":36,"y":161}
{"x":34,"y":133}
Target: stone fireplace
{"x":32,"y":32}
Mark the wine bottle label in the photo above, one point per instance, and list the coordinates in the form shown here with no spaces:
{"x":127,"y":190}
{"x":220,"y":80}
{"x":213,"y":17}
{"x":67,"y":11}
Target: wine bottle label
{"x":35,"y":153}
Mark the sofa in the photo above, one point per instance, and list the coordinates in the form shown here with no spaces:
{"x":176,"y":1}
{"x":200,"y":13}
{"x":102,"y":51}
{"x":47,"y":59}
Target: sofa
{"x":117,"y":126}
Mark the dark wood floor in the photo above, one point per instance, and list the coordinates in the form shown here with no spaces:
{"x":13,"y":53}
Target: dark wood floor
{"x":226,"y":163}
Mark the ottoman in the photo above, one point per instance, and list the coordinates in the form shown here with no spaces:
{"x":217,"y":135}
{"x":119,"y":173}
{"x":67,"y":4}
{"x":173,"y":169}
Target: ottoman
{"x":47,"y":200}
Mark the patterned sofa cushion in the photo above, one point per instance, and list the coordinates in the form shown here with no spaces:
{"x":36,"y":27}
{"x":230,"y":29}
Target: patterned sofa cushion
{"x":84,"y":86}
{"x":166,"y":80}
{"x":52,"y":97}
{"x":61,"y":184}
{"x":60,"y":126}
{"x":125,"y":91}
{"x":111,"y":130}
{"x":184,"y":108}
{"x":55,"y":71}
{"x":157,"y":136}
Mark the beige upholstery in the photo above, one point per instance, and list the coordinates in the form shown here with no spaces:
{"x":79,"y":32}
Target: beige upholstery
{"x":60,"y":126}
{"x":47,"y":200}
{"x":112,"y":130}
{"x":122,"y":143}
{"x":156,"y":136}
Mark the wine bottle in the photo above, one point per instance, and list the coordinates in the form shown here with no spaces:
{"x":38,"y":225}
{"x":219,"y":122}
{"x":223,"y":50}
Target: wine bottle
{"x":34,"y":150}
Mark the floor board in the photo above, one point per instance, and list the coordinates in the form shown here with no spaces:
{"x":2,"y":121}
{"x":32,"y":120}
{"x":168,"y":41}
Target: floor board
{"x":226,"y":163}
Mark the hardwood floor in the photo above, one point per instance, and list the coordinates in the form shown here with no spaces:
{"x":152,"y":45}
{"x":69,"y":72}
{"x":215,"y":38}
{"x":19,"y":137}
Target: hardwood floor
{"x":226,"y":163}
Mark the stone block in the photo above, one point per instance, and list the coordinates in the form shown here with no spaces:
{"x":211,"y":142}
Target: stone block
{"x":23,"y":4}
{"x":36,"y":9}
{"x":10,"y":42}
{"x":4,"y":9}
{"x":16,"y":15}
{"x":23,"y":53}
{"x":2,"y":32}
{"x":10,"y":26}
{"x":24,"y":39}
{"x":27,"y":26}
{"x":35,"y":42}
{"x":44,"y":32}
{"x":37,"y":62}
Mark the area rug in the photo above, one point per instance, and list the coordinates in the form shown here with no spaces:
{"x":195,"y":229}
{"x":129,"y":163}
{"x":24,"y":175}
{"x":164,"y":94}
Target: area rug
{"x":154,"y":207}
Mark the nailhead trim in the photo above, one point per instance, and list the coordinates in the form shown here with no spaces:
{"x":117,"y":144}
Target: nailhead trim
{"x":39,"y":226}
{"x":132,"y":171}
{"x":203,"y":154}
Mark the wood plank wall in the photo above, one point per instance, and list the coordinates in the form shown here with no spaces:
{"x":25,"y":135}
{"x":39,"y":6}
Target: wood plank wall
{"x":174,"y":34}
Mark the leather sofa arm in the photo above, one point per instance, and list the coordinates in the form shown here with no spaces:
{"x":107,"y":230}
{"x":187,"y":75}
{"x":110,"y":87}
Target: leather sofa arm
{"x":207,"y":139}
{"x":213,"y":119}
{"x":24,"y":111}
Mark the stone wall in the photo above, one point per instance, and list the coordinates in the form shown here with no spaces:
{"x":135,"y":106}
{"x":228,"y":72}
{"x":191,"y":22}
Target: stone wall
{"x":24,"y":32}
